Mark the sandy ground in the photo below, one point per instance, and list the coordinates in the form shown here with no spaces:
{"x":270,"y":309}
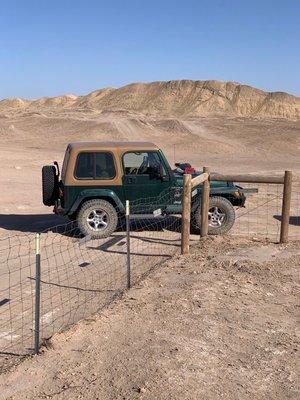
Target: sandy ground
{"x":207,"y":326}
{"x":219,"y":324}
{"x":27,"y":142}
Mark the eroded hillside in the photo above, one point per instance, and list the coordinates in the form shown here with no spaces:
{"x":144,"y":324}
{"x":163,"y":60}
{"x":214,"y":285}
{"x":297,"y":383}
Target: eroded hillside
{"x":183,"y":98}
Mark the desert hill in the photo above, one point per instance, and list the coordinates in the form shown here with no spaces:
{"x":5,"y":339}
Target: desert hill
{"x":183,"y":98}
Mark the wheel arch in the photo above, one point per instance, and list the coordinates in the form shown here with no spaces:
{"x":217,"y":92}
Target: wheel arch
{"x":103,"y":194}
{"x":107,"y":198}
{"x":197,"y":201}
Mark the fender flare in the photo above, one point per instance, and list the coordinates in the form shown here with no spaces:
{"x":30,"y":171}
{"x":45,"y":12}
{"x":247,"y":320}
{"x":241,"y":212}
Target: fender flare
{"x":222,"y":191}
{"x":89,"y":194}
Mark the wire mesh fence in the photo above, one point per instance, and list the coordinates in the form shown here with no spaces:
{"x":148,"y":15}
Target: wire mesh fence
{"x":261,"y":216}
{"x":17,"y":262}
{"x":81,"y":275}
{"x":294,"y":222}
{"x":262,"y":211}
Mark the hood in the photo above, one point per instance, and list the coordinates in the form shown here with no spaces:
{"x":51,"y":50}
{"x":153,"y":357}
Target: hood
{"x":179,"y":180}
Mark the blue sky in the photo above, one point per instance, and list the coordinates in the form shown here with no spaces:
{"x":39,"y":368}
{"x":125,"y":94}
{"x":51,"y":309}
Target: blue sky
{"x":52,"y":47}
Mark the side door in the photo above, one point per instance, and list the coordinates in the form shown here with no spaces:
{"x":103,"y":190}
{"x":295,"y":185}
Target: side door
{"x":146,"y":181}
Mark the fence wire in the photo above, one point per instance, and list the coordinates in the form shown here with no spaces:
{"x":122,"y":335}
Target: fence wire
{"x":261,"y":216}
{"x":294,"y":223}
{"x":80,"y":275}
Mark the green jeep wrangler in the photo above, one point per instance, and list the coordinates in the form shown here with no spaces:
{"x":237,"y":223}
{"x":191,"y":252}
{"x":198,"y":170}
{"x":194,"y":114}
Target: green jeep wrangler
{"x":98,"y":177}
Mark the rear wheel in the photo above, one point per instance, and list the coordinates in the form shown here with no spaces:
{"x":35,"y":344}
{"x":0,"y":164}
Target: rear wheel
{"x":49,"y":184}
{"x":97,"y":218}
{"x":221,"y":216}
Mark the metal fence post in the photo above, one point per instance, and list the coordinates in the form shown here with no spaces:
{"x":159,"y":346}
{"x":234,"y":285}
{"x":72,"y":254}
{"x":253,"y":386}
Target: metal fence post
{"x":128,"y":244}
{"x":37,"y":294}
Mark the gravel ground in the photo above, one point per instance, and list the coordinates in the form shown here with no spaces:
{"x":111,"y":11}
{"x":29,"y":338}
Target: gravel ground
{"x":218,"y":324}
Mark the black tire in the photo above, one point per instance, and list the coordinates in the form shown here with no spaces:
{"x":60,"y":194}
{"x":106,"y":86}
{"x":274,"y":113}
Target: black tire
{"x":106,"y":213}
{"x":50,"y":185}
{"x":72,"y":217}
{"x":225,"y":219}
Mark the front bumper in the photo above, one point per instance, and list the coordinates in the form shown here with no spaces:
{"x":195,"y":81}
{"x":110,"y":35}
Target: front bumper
{"x":240,"y":197}
{"x":240,"y":200}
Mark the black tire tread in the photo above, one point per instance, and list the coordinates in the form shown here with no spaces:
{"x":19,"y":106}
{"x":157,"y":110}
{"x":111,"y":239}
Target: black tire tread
{"x":49,"y":185}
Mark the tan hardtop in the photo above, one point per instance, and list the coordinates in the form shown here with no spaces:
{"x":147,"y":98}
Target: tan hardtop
{"x":117,"y":148}
{"x":112,"y":145}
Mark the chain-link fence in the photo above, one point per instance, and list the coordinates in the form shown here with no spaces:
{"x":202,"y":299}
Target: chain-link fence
{"x":81,"y":275}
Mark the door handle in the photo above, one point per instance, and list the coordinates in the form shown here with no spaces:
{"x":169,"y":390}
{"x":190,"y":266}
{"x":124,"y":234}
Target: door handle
{"x":131,"y":180}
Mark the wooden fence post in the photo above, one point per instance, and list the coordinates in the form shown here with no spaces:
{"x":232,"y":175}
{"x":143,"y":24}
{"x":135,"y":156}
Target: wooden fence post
{"x":286,"y":206}
{"x":186,"y":214}
{"x":205,"y":205}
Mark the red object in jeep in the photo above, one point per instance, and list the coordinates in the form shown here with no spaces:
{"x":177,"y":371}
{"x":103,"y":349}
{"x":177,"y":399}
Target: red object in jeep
{"x":189,"y":170}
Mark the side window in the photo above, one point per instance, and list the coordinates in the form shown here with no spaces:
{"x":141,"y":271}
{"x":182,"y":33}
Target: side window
{"x":98,"y":165}
{"x":85,"y":166}
{"x":141,"y":163}
{"x":104,"y":166}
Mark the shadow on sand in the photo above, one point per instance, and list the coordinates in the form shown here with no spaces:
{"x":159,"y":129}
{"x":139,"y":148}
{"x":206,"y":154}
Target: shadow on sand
{"x":35,"y":223}
{"x":294,"y":220}
{"x":30,"y":223}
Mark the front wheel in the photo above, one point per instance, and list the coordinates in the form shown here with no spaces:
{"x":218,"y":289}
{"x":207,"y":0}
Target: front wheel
{"x":221,"y":216}
{"x":97,"y":218}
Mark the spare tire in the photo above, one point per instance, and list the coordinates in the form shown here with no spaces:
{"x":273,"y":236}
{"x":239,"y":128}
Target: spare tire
{"x":50,"y":185}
